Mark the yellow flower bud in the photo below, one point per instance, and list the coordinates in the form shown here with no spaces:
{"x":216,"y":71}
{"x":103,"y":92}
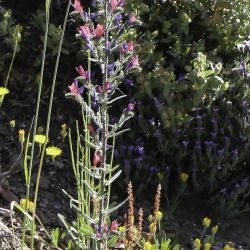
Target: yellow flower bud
{"x":158,"y":215}
{"x":206,"y":222}
{"x":147,"y":246}
{"x":207,"y":246}
{"x":197,"y":244}
{"x":21,"y":136}
{"x":215,"y":229}
{"x":184,"y":177}
{"x":24,"y":203}
{"x":12,"y":123}
{"x":150,"y":218}
{"x":152,"y":227}
{"x":40,"y":130}
{"x":64,"y":130}
{"x":227,"y":247}
{"x":121,"y":229}
{"x":64,"y":126}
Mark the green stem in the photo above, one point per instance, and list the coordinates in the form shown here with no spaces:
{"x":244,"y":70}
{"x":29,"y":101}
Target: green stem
{"x":10,"y":68}
{"x":104,"y":124}
{"x":110,"y":172}
{"x":47,"y":125}
{"x":11,"y":63}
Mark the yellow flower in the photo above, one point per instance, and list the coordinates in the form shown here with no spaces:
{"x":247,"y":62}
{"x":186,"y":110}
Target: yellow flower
{"x":158,"y":215}
{"x":41,"y":139}
{"x":184,"y":177}
{"x":4,"y":91}
{"x":227,"y":247}
{"x":21,"y":136}
{"x":206,"y":222}
{"x":207,"y":246}
{"x":214,"y":229}
{"x":121,"y":229}
{"x":26,"y":203}
{"x":53,"y":151}
{"x":147,"y":246}
{"x":197,"y":244}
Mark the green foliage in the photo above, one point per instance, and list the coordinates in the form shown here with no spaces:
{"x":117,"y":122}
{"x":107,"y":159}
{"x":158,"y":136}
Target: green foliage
{"x":191,"y":68}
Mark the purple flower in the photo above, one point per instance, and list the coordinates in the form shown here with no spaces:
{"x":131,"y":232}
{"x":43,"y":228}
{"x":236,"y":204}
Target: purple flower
{"x":181,"y":77}
{"x":126,"y":162}
{"x":235,"y":153}
{"x":152,"y":121}
{"x":215,"y":109}
{"x":138,"y":159}
{"x":197,"y":146}
{"x":130,"y":107}
{"x":208,"y":143}
{"x":223,"y":191}
{"x":139,"y":150}
{"x":154,"y":170}
{"x":133,"y":62}
{"x":158,"y":104}
{"x":220,"y":152}
{"x":185,"y":143}
{"x":111,"y":67}
{"x":213,"y":134}
{"x":130,"y":148}
{"x":128,"y":82}
{"x":117,"y":19}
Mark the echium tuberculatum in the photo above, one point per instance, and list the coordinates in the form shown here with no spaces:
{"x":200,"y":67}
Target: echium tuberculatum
{"x":103,"y":34}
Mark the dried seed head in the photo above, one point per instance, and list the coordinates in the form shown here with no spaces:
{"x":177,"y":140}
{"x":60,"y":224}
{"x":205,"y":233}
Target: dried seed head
{"x":130,"y":220}
{"x":140,"y":220}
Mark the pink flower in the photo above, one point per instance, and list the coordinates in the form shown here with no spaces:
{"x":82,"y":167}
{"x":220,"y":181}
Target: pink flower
{"x":126,"y":47}
{"x":134,"y":62}
{"x":85,"y":31}
{"x":97,"y":158}
{"x":108,"y":86}
{"x":130,"y":46}
{"x":84,"y":73}
{"x":99,"y":31}
{"x":90,"y":128}
{"x":114,"y":226}
{"x":132,"y":19}
{"x":116,"y":3}
{"x":77,"y":6}
{"x":74,"y":89}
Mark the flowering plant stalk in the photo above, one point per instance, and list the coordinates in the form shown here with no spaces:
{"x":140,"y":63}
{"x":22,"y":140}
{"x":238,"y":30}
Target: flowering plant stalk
{"x":104,"y":35}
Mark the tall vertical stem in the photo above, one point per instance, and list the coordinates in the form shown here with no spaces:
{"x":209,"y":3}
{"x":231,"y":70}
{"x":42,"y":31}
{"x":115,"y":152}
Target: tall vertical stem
{"x":47,"y":125}
{"x":104,"y":120}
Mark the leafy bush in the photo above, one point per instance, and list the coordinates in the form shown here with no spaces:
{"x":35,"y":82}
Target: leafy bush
{"x":193,"y":97}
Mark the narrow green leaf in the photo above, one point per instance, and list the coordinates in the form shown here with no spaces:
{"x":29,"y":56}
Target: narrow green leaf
{"x":113,"y":178}
{"x":111,"y":210}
